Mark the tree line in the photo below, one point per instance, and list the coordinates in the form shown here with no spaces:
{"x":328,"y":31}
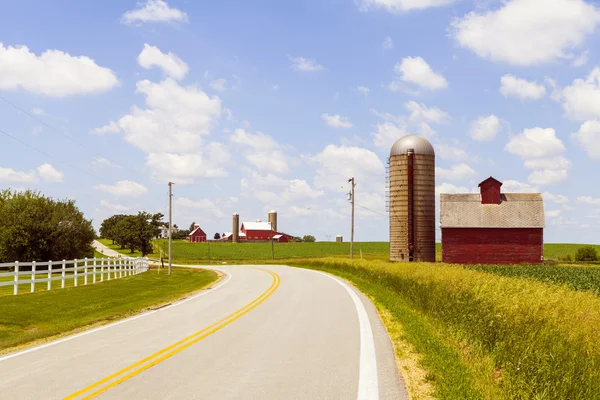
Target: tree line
{"x":133,"y":232}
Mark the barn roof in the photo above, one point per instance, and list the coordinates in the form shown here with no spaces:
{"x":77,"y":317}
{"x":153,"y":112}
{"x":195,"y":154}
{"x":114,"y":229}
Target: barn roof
{"x":517,"y":210}
{"x":257,"y":226}
{"x":197,"y":230}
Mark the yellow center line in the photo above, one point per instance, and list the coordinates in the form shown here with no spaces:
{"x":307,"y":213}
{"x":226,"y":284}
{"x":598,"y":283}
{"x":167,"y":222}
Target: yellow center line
{"x":175,"y":348}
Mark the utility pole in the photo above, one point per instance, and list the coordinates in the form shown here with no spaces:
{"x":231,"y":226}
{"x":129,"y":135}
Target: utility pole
{"x":170,"y":223}
{"x":351,"y":180}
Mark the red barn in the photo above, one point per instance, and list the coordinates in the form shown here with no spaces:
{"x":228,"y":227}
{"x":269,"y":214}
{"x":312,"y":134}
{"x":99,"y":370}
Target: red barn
{"x":261,"y":231}
{"x":492,"y":227}
{"x":197,"y":235}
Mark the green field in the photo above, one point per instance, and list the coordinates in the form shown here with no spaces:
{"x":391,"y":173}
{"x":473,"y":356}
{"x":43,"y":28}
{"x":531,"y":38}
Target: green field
{"x":40,"y":315}
{"x":126,"y":252}
{"x":480,"y":335}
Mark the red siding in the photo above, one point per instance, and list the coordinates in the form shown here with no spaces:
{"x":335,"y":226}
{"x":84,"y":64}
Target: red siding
{"x":490,"y":191}
{"x":198,"y":236}
{"x":492,"y":245}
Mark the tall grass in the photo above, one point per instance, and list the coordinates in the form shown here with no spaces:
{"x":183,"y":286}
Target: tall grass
{"x":543,"y":339}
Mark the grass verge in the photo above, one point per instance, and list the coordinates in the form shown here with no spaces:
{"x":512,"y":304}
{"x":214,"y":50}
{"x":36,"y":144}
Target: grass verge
{"x":41,"y":315}
{"x":488,"y":336}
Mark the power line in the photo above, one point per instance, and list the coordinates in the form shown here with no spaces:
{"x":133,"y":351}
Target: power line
{"x":57,"y":130}
{"x":50,"y":156}
{"x":373,"y":211}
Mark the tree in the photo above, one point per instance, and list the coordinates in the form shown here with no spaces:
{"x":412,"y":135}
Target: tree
{"x":586,"y":253}
{"x":217,"y":236}
{"x":309,"y":238}
{"x":108,"y":228}
{"x":192,"y":226}
{"x":38,"y":228}
{"x":135,"y":232}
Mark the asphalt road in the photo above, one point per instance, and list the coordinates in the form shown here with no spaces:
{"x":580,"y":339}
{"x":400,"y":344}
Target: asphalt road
{"x":108,"y":252}
{"x":263,"y":333}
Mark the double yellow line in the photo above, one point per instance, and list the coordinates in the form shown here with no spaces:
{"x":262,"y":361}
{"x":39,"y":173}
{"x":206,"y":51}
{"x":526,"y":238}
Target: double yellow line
{"x":134,"y":369}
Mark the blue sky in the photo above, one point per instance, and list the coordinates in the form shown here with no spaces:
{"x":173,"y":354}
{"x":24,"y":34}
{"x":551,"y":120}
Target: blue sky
{"x":253,"y":106}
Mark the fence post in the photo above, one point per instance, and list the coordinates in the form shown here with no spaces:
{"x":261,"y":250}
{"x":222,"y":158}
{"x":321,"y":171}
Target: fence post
{"x":146,"y":264}
{"x":16,"y":289}
{"x":50,"y":275}
{"x":85,"y":271}
{"x":33,"y":277}
{"x":120,"y":268}
{"x":75,"y":272}
{"x":94,"y":276}
{"x":62,"y":281}
{"x":102,"y":269}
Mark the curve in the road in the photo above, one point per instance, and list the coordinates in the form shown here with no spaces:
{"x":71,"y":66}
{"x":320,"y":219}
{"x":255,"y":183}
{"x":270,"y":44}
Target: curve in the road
{"x":142,"y":365}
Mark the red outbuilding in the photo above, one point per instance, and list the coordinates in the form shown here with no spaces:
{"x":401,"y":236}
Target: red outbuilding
{"x":492,"y":227}
{"x":197,"y":235}
{"x":261,"y":232}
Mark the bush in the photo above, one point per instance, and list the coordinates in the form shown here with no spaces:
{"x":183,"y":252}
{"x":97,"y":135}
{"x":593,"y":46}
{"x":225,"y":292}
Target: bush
{"x":309,"y":238}
{"x":566,"y":258}
{"x":587,"y":253}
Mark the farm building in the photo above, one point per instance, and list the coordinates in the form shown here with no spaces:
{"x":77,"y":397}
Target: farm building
{"x":262,"y":231}
{"x":197,"y":235}
{"x":492,"y":227}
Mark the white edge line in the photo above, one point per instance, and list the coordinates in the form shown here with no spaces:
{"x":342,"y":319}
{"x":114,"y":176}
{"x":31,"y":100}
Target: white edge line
{"x":100,"y":328}
{"x":368,"y":384}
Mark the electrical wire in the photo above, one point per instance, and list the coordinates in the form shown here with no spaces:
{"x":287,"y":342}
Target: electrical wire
{"x":373,"y":211}
{"x":50,"y":156}
{"x":57,"y":131}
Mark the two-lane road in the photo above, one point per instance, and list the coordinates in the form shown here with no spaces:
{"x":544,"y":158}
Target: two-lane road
{"x":269,"y":332}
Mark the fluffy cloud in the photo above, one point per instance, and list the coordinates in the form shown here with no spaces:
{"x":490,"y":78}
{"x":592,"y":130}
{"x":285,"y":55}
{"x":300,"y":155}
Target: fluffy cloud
{"x":415,"y":70}
{"x":548,"y":163}
{"x":535,"y":143}
{"x":485,"y":128}
{"x":336,"y":121}
{"x":388,"y":43}
{"x":172,"y":65}
{"x":304,"y":64}
{"x":582,"y":97}
{"x":396,"y":6}
{"x":512,"y":86}
{"x":50,"y":174}
{"x":548,"y":176}
{"x":512,"y":186}
{"x":275,"y":191}
{"x":457,"y":172}
{"x":588,"y":138}
{"x":420,"y":113}
{"x":52,"y":73}
{"x":449,"y":188}
{"x":451,"y":153}
{"x":205,"y":205}
{"x":123,"y":189}
{"x":113,"y":206}
{"x":527,"y":32}
{"x":593,"y":201}
{"x":363,"y":90}
{"x":38,"y":111}
{"x":210,"y":162}
{"x":111,"y":127}
{"x":555,"y":198}
{"x":220,"y":85}
{"x":262,"y":151}
{"x":10,"y":175}
{"x":154,"y":11}
{"x":101,"y":162}
{"x":386,"y":135}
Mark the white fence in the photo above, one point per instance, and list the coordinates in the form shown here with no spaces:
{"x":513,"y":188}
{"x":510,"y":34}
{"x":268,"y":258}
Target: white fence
{"x":91,"y":270}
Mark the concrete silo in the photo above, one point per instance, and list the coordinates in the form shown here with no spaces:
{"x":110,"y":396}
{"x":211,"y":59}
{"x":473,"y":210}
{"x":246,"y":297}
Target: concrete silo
{"x":273,"y":220}
{"x":235,"y":228}
{"x":412,"y":200}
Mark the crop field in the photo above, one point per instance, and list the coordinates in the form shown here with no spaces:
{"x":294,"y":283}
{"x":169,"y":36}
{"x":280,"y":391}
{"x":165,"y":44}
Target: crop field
{"x":481,"y":335}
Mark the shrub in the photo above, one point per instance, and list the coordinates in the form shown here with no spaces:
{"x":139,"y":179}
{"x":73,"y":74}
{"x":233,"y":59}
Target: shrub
{"x":566,"y":258}
{"x":587,"y":253}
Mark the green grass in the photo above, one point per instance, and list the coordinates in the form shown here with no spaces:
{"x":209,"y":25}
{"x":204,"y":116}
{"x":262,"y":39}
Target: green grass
{"x":518,"y":338}
{"x":125,"y":252}
{"x":575,"y":277}
{"x":555,"y":251}
{"x":40,"y":315}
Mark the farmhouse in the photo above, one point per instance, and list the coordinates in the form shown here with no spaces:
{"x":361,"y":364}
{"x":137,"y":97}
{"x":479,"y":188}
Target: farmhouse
{"x":197,"y":235}
{"x":492,"y":227}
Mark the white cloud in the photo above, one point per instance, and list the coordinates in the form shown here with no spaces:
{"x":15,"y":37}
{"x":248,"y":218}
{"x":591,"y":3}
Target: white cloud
{"x":582,"y":98}
{"x":485,"y":128}
{"x":100,"y":162}
{"x":457,"y":172}
{"x":552,"y":214}
{"x":527,"y":32}
{"x":210,"y":162}
{"x":582,"y":59}
{"x":111,"y":127}
{"x":172,"y":66}
{"x":512,"y":86}
{"x":336,"y":121}
{"x":548,"y":176}
{"x":38,"y":111}
{"x":535,"y":143}
{"x":154,"y":11}
{"x":219,"y":85}
{"x":304,"y":64}
{"x":113,"y":206}
{"x":123,"y":189}
{"x":415,"y":70}
{"x":449,"y":188}
{"x":588,"y":138}
{"x":387,"y":134}
{"x":254,"y":140}
{"x":592,"y":201}
{"x":363,"y":90}
{"x":559,"y":162}
{"x":555,"y":198}
{"x":388,"y":43}
{"x":451,"y":153}
{"x":10,"y":175}
{"x":263,"y":151}
{"x":397,"y":6}
{"x":420,"y":112}
{"x":50,"y":174}
{"x":201,"y":204}
{"x":512,"y":186}
{"x":52,"y":73}
{"x":175,"y":120}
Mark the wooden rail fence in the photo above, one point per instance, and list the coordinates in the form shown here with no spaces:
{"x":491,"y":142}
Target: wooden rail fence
{"x":91,"y":270}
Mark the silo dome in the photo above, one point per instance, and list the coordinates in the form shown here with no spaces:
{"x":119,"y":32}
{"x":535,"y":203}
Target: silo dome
{"x":418,"y":143}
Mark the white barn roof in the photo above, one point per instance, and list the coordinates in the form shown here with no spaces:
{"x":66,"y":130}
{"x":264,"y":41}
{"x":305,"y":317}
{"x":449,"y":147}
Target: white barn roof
{"x":257,"y":226}
{"x":517,"y":210}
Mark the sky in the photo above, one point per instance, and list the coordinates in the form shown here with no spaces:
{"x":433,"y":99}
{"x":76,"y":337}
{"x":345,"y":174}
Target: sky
{"x":268,"y":105}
